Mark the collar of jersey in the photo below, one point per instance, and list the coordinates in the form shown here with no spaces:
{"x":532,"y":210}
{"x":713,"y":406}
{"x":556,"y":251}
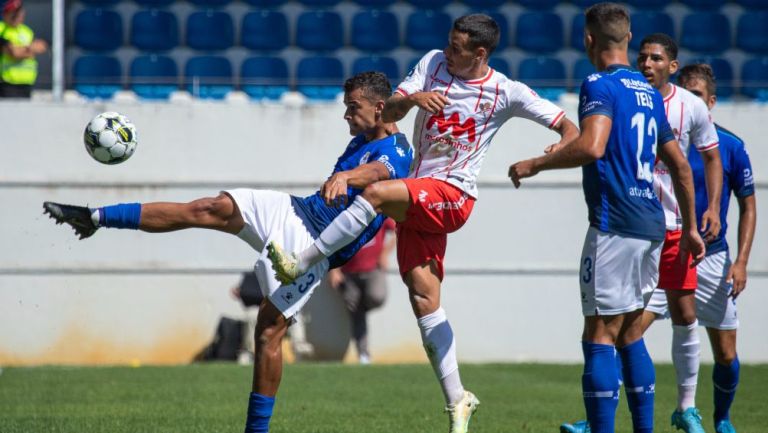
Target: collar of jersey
{"x":616,"y":66}
{"x":479,"y":80}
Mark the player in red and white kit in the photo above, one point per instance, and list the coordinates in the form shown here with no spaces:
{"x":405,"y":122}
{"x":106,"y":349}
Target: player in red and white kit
{"x":462,"y":103}
{"x":695,"y":132}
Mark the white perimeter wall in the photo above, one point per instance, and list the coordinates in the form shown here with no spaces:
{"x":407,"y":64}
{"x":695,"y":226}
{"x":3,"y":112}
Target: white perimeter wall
{"x":511,"y":290}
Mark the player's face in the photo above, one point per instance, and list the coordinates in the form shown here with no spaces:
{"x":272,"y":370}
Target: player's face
{"x":654,"y":63}
{"x":699,"y":88}
{"x":361,"y":114}
{"x":460,"y":58}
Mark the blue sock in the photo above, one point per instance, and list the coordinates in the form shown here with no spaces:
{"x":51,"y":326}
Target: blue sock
{"x":600,"y":385}
{"x":259,"y":413}
{"x":619,"y":369}
{"x":120,"y":216}
{"x":639,"y":383}
{"x":725,"y":379}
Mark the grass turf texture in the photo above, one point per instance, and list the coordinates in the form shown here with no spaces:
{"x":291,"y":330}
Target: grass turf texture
{"x":329,"y":398}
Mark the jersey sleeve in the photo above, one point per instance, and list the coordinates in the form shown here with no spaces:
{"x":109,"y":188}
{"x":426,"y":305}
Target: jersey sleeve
{"x":703,"y":132}
{"x":416,"y":80}
{"x":595,"y":97}
{"x":394,"y":155}
{"x":742,"y":180}
{"x":524,"y":102}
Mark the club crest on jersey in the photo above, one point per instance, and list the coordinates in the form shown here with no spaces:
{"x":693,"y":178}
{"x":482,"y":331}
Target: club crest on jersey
{"x":365,"y":157}
{"x":485,"y":106}
{"x":453,"y":124}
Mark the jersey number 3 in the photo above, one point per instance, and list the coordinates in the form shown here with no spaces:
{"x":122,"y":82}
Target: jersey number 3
{"x":645,"y":169}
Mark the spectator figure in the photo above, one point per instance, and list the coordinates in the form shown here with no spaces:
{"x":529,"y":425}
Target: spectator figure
{"x":363,"y":286}
{"x":18,"y":67}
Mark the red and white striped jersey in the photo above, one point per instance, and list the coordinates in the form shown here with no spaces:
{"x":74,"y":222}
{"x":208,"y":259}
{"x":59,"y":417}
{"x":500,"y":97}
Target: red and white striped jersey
{"x":691,"y":124}
{"x":452,"y":144}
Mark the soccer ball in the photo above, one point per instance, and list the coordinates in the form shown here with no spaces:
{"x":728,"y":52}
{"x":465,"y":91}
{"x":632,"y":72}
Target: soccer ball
{"x":110,"y":138}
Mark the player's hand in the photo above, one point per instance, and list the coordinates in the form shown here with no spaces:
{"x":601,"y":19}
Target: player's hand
{"x":521,"y":170}
{"x":554,"y":147}
{"x":692,"y":243}
{"x":432,"y":102}
{"x":334,"y":190}
{"x":335,"y":278}
{"x":710,"y":225}
{"x":737,"y":277}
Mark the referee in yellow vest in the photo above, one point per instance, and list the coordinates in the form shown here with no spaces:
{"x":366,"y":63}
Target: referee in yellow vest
{"x":18,"y":67}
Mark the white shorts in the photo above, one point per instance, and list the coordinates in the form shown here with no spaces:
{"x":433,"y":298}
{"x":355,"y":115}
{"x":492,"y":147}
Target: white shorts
{"x":269,"y":216}
{"x":614,"y":272}
{"x":714,"y":308}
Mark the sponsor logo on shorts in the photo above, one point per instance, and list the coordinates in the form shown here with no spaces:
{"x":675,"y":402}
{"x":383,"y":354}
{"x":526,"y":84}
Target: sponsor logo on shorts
{"x":423,"y":196}
{"x":448,"y":205}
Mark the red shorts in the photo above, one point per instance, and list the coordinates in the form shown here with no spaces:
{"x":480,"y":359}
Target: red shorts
{"x":436,"y":209}
{"x":674,"y":273}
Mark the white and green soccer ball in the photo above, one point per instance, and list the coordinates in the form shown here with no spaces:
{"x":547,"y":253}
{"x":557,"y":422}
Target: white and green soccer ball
{"x":110,"y":138}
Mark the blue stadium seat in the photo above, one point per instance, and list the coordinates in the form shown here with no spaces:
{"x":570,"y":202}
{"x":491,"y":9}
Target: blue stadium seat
{"x":265,"y":30}
{"x":319,"y":3}
{"x":539,"y":32}
{"x":585,"y":3}
{"x":154,"y":3}
{"x":483,"y":4}
{"x":100,"y":3}
{"x":577,"y":32}
{"x":582,"y":68}
{"x":375,"y":3}
{"x":723,"y":74}
{"x":97,"y":76}
{"x":753,"y":4}
{"x":210,"y":30}
{"x":704,"y":4}
{"x":645,"y":23}
{"x":264,"y":77}
{"x":500,"y":65}
{"x":754,"y":78}
{"x":706,"y":32}
{"x":752,"y":32}
{"x":319,"y":77}
{"x":265,"y":3}
{"x":375,"y":30}
{"x":646,"y":4}
{"x":154,"y":30}
{"x":210,"y":3}
{"x":427,"y":30}
{"x":429,"y":4}
{"x":208,"y":77}
{"x":384,"y":64}
{"x":539,"y":4}
{"x":545,"y":75}
{"x":319,"y":31}
{"x":501,"y":20}
{"x":154,"y":76}
{"x":98,"y":30}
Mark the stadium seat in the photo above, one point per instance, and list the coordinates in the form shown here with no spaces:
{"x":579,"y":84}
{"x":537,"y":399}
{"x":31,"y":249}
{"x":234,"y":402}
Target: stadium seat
{"x":319,"y":3}
{"x":265,"y":30}
{"x":582,"y":4}
{"x":483,"y":4}
{"x":265,"y":3}
{"x":704,"y":4}
{"x":97,"y":76}
{"x":210,"y":30}
{"x":154,"y":30}
{"x":723,"y":74}
{"x":538,"y":4}
{"x":319,"y":77}
{"x":501,"y":20}
{"x":427,"y":30}
{"x":752,"y":32}
{"x":429,"y":4}
{"x":100,"y":3}
{"x":646,"y":4}
{"x":753,"y":4}
{"x":375,"y":3}
{"x":384,"y":64}
{"x":210,"y":3}
{"x":154,"y":3}
{"x":319,"y":31}
{"x":98,"y":30}
{"x":264,"y":77}
{"x":500,"y":65}
{"x":539,"y":32}
{"x":645,"y":23}
{"x":375,"y":30}
{"x":545,"y":75}
{"x":582,"y":68}
{"x":754,"y":78}
{"x":706,"y":32}
{"x":154,"y":76}
{"x":208,"y":77}
{"x":577,"y":32}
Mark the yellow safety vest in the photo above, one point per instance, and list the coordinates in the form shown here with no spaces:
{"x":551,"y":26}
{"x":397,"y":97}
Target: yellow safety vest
{"x":14,"y":71}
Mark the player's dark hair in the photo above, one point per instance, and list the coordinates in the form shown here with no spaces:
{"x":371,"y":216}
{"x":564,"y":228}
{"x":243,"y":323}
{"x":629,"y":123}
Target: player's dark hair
{"x":481,"y":29}
{"x":375,"y":85}
{"x":698,"y":71}
{"x":607,"y":22}
{"x":669,"y":44}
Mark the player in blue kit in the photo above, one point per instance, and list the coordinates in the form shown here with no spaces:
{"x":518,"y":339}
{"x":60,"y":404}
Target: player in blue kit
{"x":623,"y":125}
{"x":721,"y":281}
{"x":378,"y":152}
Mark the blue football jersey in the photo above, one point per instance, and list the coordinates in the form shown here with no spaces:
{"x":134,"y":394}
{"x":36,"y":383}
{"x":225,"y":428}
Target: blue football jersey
{"x":618,"y":187}
{"x":393,"y":151}
{"x":737,"y":178}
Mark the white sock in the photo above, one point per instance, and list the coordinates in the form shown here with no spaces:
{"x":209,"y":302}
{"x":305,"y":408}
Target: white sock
{"x":437,"y":336}
{"x":346,"y":227}
{"x":96,"y":217}
{"x":686,"y":349}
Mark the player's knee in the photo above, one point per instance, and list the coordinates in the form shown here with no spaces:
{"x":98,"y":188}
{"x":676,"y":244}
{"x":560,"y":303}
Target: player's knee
{"x":725,"y":356}
{"x":211,"y":210}
{"x":373,"y":194}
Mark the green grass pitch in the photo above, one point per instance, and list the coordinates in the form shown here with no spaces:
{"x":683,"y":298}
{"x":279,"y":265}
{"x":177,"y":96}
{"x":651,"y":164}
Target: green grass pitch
{"x":330,"y":398}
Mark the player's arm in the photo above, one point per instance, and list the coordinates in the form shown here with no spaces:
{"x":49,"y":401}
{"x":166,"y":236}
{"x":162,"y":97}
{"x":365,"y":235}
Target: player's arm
{"x":589,"y":146}
{"x":398,"y":105}
{"x":747,"y":220}
{"x":682,"y":181}
{"x":568,"y":132}
{"x":713,"y":174}
{"x":334,"y":190}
